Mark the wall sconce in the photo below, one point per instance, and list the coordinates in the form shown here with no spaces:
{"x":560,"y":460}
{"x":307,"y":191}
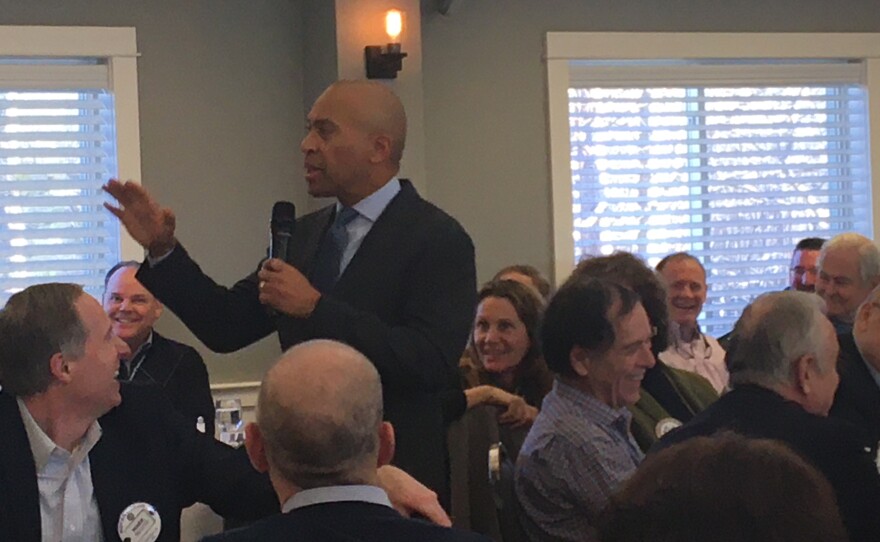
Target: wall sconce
{"x":384,"y":61}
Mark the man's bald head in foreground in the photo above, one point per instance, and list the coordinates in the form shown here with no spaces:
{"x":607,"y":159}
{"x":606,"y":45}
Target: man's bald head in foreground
{"x":319,"y":419}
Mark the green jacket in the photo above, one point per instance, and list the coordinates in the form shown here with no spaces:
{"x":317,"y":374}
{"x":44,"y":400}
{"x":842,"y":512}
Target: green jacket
{"x":695,"y":391}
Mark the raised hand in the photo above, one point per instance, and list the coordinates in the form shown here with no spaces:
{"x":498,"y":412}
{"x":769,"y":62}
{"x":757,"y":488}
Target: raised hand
{"x":149,"y":224}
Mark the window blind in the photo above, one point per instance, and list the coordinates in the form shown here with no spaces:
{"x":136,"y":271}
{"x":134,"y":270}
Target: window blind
{"x":57,"y":148}
{"x":718,"y":163}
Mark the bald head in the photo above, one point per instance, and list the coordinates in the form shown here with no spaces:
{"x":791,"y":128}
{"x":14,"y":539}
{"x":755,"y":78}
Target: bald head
{"x":319,"y":412}
{"x":374,"y":108}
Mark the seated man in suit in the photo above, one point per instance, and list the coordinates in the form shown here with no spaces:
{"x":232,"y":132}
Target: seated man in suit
{"x":849,"y":268}
{"x":782,"y":360}
{"x":175,"y":367}
{"x":597,"y":339}
{"x":79,"y":451}
{"x":319,"y":434}
{"x":858,"y":395}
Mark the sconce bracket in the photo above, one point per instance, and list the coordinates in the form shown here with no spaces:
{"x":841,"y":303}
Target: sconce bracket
{"x":383,"y":61}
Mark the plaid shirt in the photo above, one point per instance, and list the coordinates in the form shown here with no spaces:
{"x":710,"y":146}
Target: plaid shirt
{"x":577,"y":452}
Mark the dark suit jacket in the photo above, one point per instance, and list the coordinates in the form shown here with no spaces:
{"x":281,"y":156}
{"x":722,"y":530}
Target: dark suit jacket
{"x":836,"y":448}
{"x":146,"y":453}
{"x":858,"y":396}
{"x":406,"y":301}
{"x":344,"y":522}
{"x":180,"y":371}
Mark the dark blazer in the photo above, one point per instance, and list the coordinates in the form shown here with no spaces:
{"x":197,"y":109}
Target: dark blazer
{"x":344,"y":522}
{"x":858,"y":396}
{"x":180,"y":371}
{"x":406,"y":300}
{"x":147,"y":453}
{"x":836,"y":448}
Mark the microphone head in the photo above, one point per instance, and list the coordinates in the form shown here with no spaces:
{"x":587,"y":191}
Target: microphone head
{"x":283,"y":212}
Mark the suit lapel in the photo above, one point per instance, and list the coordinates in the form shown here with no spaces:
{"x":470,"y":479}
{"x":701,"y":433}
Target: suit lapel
{"x":18,"y":476}
{"x":384,"y":238}
{"x":306,"y":245}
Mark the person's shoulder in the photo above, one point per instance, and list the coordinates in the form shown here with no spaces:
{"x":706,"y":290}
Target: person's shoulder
{"x":267,"y":529}
{"x":425,"y":211}
{"x":161,"y":342}
{"x":415,"y":529}
{"x":689,"y":379}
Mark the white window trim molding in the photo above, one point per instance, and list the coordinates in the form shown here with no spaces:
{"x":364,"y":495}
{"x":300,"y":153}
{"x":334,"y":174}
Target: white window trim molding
{"x":119,"y":46}
{"x":562,"y":47}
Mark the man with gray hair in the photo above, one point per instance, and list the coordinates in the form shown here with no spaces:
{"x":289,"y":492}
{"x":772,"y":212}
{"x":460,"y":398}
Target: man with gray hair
{"x":319,"y":434}
{"x":782,"y":360}
{"x":849,"y":268}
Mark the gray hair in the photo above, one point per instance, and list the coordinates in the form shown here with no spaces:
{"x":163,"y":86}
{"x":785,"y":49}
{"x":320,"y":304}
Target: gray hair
{"x":36,"y":324}
{"x":773,"y":332}
{"x":320,"y":425}
{"x":869,"y":254}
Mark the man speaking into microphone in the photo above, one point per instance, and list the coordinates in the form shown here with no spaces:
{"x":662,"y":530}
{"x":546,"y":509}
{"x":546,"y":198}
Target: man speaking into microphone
{"x":382,"y":269}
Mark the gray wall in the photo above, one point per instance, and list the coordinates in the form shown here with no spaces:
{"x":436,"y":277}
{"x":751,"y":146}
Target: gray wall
{"x":485,"y":98}
{"x":222,"y":101}
{"x":221,"y":108}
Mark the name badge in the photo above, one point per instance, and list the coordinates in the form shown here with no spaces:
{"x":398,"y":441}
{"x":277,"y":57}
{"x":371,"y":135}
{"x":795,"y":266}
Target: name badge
{"x":666,"y":425}
{"x":139,"y":522}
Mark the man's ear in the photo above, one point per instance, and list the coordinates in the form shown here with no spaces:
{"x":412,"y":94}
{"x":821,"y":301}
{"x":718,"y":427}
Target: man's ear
{"x":386,"y":444}
{"x":579,"y":360}
{"x":803,"y":369}
{"x":381,"y":148}
{"x":863,"y":314}
{"x":59,"y":368}
{"x":256,"y":447}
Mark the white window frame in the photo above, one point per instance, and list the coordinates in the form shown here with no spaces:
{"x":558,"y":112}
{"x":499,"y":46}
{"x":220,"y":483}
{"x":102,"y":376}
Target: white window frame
{"x":118,"y":45}
{"x":563,"y":47}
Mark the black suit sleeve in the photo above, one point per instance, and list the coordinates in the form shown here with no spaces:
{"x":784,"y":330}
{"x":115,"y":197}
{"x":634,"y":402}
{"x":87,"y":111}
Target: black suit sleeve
{"x":213,"y":473}
{"x":225,"y":319}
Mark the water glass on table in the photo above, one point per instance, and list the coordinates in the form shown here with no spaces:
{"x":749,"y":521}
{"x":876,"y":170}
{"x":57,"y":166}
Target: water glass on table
{"x":230,"y":428}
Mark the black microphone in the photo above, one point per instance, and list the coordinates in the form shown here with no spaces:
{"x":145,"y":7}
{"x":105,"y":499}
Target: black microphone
{"x":281,"y":229}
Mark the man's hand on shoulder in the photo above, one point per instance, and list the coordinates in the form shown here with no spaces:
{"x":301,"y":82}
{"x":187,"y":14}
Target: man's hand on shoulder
{"x":410,"y":497}
{"x":286,"y":290}
{"x":151,"y":225}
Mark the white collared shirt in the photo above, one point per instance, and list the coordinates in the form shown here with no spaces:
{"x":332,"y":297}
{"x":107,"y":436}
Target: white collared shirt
{"x":68,"y":507}
{"x":369,"y":209}
{"x":322,"y":495}
{"x":703,"y":356}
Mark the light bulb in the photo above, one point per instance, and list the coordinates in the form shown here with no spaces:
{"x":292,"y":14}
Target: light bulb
{"x":393,"y":24}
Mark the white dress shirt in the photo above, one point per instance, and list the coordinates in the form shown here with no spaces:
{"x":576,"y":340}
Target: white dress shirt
{"x":68,"y":508}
